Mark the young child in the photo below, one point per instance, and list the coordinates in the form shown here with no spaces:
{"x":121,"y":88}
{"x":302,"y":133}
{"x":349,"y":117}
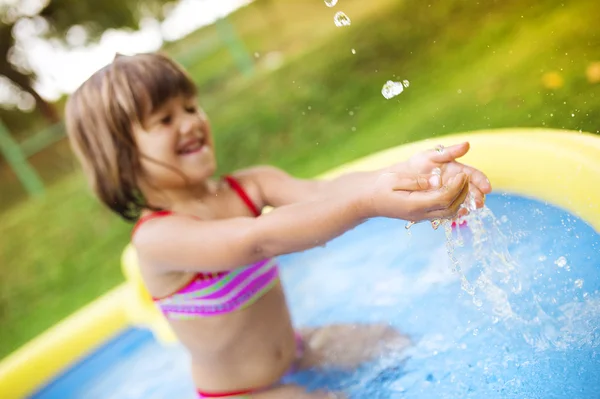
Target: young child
{"x":207,"y":255}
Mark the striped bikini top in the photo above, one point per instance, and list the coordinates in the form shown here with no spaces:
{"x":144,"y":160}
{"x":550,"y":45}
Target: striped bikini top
{"x":210,"y":294}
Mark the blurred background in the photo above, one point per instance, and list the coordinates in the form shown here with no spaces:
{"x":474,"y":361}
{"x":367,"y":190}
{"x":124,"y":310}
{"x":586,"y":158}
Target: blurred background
{"x":282,"y":84}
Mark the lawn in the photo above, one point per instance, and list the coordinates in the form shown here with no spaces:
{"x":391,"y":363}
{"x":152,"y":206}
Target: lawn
{"x":470,"y":66}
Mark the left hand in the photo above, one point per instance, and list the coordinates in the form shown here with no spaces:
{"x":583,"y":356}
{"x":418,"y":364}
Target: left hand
{"x":426,"y":161}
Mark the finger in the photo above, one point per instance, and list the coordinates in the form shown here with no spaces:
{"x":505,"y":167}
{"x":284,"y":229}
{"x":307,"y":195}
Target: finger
{"x":451,"y":210}
{"x":413,"y":182}
{"x":477,"y":195}
{"x":478,"y":179}
{"x":451,"y":153}
{"x":444,"y":198}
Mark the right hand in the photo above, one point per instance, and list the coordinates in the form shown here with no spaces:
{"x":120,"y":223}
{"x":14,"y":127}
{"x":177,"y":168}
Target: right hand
{"x":416,"y":197}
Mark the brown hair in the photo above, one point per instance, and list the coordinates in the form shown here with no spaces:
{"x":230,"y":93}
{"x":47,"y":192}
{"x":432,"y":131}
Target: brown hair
{"x":101,"y":116}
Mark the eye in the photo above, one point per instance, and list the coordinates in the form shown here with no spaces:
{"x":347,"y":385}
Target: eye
{"x":166,"y":120}
{"x":191,"y":109}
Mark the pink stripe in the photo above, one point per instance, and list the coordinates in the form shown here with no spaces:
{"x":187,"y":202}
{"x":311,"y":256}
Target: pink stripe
{"x":259,"y":283}
{"x":202,"y":284}
{"x":238,"y":301}
{"x":237,"y":280}
{"x":196,"y":285}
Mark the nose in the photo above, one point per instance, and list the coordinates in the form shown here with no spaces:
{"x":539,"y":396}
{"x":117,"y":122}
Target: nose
{"x":187,"y":125}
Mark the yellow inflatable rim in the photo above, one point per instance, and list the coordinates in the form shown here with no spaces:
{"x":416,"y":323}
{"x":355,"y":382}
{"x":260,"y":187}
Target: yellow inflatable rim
{"x":558,"y":167}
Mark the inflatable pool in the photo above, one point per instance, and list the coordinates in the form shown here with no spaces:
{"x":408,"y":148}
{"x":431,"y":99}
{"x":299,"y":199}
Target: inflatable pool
{"x":535,"y":335}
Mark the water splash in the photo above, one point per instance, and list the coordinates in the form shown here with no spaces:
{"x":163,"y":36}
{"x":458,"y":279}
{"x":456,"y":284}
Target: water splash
{"x":450,"y":245}
{"x":440,"y":149}
{"x":499,"y":286}
{"x":330,"y":3}
{"x":391,"y":89}
{"x":341,"y":19}
{"x":561,"y":261}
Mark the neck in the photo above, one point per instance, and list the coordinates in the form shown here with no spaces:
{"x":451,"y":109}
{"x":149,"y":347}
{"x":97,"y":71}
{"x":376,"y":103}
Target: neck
{"x":180,"y":200}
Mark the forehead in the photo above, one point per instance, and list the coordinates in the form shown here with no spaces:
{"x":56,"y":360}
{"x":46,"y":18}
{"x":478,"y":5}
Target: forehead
{"x":148,"y":82}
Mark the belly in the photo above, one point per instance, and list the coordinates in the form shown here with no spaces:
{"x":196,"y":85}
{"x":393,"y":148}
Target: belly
{"x":245,"y":349}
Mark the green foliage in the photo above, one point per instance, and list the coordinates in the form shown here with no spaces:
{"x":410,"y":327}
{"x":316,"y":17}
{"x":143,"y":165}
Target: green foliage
{"x":99,"y":16}
{"x":59,"y":16}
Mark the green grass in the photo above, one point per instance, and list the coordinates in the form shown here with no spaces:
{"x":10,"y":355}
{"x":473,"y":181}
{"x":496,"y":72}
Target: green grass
{"x":469,"y":66}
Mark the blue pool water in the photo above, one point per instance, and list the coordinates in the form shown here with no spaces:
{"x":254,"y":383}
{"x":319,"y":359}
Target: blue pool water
{"x":542,"y":341}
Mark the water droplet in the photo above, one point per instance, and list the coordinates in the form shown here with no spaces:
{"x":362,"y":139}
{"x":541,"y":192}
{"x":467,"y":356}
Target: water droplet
{"x":256,"y":55}
{"x":341,"y":19}
{"x":436,"y":171}
{"x":409,"y":225}
{"x":354,"y":128}
{"x":406,"y":83}
{"x":391,"y":89}
{"x":440,"y":149}
{"x":351,"y":113}
{"x":476,"y":331}
{"x":561,"y":262}
{"x":579,"y":283}
{"x":309,"y":107}
{"x":466,"y":286}
{"x":542,"y":258}
{"x":478,"y":302}
{"x":435,"y":223}
{"x":573,"y":115}
{"x":353,"y":51}
{"x":504,"y":219}
{"x":330,"y":3}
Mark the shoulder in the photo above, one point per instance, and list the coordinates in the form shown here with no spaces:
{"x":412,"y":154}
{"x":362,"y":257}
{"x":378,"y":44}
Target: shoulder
{"x":153,"y":227}
{"x":256,"y":181}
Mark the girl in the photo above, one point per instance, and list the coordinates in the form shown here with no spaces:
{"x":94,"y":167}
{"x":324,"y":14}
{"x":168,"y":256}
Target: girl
{"x":207,"y":255}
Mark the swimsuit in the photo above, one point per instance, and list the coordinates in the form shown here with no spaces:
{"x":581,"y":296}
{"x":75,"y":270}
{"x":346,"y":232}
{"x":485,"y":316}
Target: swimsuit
{"x":210,"y":294}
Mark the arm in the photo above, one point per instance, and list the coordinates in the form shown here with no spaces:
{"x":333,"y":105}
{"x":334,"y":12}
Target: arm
{"x":177,"y":243}
{"x":182,"y":243}
{"x":277,"y":188}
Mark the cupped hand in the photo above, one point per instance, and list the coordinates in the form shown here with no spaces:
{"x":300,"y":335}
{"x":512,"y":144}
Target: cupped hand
{"x":417,"y":197}
{"x":445,"y":160}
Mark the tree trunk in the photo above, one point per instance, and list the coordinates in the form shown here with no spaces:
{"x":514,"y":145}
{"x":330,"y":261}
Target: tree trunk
{"x":21,"y":80}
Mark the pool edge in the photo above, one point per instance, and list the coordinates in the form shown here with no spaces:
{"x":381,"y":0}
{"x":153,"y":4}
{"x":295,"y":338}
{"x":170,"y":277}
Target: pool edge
{"x":41,"y":359}
{"x":547,"y":163}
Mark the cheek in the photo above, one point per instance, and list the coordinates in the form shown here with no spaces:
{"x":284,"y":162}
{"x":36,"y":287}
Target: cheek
{"x":159,"y":165}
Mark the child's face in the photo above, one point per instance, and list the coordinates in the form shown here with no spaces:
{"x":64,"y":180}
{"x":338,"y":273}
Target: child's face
{"x":176,"y":136}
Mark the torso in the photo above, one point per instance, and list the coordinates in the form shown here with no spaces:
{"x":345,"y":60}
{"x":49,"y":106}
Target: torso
{"x":231,"y":350}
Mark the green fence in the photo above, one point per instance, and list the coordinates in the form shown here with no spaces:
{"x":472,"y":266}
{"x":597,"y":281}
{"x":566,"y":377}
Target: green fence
{"x":17,"y":154}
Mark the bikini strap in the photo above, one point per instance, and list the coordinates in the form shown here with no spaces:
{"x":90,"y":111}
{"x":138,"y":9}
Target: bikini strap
{"x":150,"y":216}
{"x":237,"y":187}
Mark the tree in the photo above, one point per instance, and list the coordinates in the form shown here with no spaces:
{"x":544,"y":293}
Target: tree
{"x":95,"y":16}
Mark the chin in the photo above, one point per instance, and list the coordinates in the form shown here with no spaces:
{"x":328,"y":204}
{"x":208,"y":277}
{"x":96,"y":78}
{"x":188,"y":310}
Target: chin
{"x":209,"y":170}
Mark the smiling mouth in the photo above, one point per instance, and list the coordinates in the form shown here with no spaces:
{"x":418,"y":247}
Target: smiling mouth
{"x":192,"y":146}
